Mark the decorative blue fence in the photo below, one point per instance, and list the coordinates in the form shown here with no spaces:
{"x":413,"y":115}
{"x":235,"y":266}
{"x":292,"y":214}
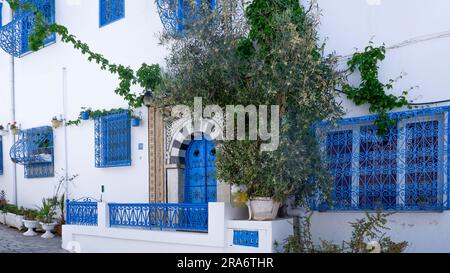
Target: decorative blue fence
{"x":246,"y":238}
{"x":406,"y":169}
{"x":111,"y":11}
{"x":113,"y":140}
{"x":183,"y":217}
{"x":34,"y":150}
{"x":177,"y":15}
{"x":15,"y":35}
{"x":83,"y":213}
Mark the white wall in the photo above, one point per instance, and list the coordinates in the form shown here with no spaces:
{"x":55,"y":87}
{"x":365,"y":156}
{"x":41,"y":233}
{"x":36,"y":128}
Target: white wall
{"x":218,"y":239}
{"x":351,"y":24}
{"x":130,"y":41}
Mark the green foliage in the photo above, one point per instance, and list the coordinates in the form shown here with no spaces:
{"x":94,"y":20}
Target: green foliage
{"x":371,"y":90}
{"x":94,"y":114}
{"x":273,"y":60}
{"x":30,"y":214}
{"x":367,"y":229}
{"x":148,"y":76}
{"x":47,"y":211}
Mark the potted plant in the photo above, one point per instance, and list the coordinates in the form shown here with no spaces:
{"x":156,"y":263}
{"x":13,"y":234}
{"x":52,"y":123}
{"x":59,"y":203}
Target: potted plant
{"x":3,"y":204}
{"x":135,"y":121}
{"x":56,"y":123}
{"x":3,"y":131}
{"x":46,"y":216}
{"x":13,"y":217}
{"x":85,"y":113}
{"x":30,"y":222}
{"x":14,"y":128}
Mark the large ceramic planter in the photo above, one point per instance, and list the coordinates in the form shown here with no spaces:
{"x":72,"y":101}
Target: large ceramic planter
{"x":2,"y":218}
{"x":14,"y":220}
{"x":48,"y":228}
{"x":30,"y":225}
{"x":263,"y":209}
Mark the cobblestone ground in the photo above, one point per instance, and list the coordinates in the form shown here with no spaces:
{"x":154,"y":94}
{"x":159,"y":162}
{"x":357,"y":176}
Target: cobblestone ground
{"x":12,"y":241}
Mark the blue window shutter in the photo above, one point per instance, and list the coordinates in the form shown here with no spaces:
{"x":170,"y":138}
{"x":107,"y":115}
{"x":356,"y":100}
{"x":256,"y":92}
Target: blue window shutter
{"x":113,"y":140}
{"x":111,"y":11}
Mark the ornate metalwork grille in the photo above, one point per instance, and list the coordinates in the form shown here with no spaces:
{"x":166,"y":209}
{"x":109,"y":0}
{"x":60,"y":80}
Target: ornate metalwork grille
{"x":15,"y":35}
{"x":246,"y":238}
{"x":84,"y":213}
{"x":184,"y":217}
{"x":111,"y":11}
{"x":1,"y":155}
{"x":178,"y":15}
{"x":34,"y":150}
{"x":407,"y":169}
{"x":113,"y":140}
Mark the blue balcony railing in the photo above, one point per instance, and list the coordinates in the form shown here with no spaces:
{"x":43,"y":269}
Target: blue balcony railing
{"x":182,"y":217}
{"x":82,"y":213}
{"x":15,"y":35}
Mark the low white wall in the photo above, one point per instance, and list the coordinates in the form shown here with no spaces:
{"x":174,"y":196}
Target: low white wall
{"x":424,"y":232}
{"x":219,"y":239}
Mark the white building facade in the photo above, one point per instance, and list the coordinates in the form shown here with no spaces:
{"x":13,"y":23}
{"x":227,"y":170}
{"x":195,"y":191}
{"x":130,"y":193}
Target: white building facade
{"x":151,"y":177}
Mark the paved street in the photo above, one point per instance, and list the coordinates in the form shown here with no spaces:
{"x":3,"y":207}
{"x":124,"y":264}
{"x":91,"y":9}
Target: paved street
{"x":12,"y":241}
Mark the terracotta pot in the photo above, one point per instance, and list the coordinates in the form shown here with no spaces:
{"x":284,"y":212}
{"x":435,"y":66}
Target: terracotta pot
{"x":263,"y":209}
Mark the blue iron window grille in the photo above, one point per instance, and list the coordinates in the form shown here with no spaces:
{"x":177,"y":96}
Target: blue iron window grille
{"x":113,"y":140}
{"x":407,"y":169}
{"x":111,"y":11}
{"x":15,"y":35}
{"x":246,"y":238}
{"x":34,"y":150}
{"x":178,"y":15}
{"x":183,"y":217}
{"x":82,"y":213}
{"x":1,"y":155}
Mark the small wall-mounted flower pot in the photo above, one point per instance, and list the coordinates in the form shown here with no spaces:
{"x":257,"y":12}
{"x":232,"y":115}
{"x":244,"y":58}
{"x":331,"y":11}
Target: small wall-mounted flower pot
{"x":84,"y":115}
{"x":56,"y":123}
{"x":15,"y":131}
{"x":135,"y":122}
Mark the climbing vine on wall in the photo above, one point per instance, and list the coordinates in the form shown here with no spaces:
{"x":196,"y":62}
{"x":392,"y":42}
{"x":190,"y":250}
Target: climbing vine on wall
{"x":147,"y":76}
{"x":372,"y":90}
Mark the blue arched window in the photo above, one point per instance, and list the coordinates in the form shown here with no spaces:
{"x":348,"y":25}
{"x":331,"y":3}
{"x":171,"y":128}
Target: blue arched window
{"x":177,"y":15}
{"x":111,"y":11}
{"x":34,"y":150}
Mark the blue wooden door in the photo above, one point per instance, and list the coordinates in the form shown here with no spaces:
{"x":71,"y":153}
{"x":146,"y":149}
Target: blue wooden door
{"x":200,"y":180}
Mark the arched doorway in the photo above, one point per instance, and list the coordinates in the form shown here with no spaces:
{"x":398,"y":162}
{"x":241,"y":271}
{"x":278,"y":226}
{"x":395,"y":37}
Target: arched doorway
{"x":200,"y":180}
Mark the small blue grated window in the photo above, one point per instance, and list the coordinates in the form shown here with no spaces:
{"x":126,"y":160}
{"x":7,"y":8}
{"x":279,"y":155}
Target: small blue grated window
{"x":113,"y":140}
{"x":111,"y":11}
{"x":34,"y":150}
{"x":246,"y":238}
{"x":1,"y":155}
